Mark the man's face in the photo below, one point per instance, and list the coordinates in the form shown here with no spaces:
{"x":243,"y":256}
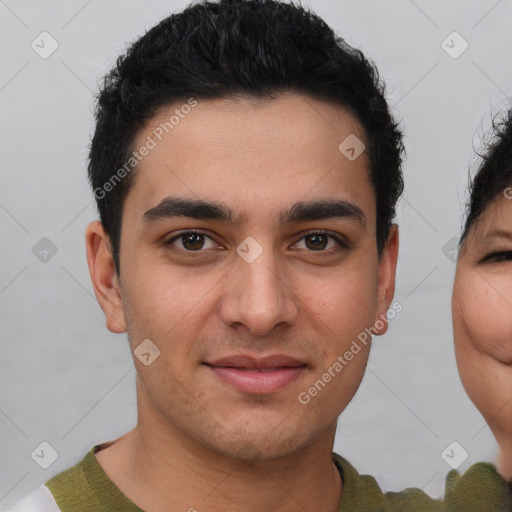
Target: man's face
{"x":272,"y":278}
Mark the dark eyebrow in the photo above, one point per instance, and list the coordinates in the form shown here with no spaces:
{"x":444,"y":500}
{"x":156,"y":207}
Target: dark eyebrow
{"x":322,"y":210}
{"x":171,"y":207}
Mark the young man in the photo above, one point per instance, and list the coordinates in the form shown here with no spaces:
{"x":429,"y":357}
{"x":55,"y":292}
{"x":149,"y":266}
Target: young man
{"x":246,"y":169}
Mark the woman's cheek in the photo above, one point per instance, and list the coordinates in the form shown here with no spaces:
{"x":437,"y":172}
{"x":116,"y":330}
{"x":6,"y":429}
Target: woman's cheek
{"x":489,"y":325}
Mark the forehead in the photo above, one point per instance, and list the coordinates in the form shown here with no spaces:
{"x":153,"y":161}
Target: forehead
{"x":493,"y":223}
{"x":253,"y":154}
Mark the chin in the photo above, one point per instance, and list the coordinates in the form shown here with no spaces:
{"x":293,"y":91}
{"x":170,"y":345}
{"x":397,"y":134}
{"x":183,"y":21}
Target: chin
{"x":260,"y":446}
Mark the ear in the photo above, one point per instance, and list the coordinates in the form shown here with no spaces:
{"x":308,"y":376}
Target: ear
{"x":387,"y":274}
{"x":103,"y":276}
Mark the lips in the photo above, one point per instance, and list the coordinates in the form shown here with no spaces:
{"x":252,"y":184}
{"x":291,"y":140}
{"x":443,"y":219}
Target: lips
{"x":250,"y":362}
{"x":257,"y":375}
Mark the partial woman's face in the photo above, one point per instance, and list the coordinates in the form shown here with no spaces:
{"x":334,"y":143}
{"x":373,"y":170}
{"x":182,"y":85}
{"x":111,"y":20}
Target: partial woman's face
{"x":482,"y":303}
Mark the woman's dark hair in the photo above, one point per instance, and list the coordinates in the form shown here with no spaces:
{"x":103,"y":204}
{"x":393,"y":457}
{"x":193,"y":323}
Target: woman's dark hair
{"x":494,"y":174}
{"x":253,"y":48}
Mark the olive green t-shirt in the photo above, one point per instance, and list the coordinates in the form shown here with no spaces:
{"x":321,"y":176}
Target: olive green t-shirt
{"x":86,"y":487}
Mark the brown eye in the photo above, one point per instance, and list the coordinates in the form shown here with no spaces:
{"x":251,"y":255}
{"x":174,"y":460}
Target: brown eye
{"x":191,"y":241}
{"x":317,"y":241}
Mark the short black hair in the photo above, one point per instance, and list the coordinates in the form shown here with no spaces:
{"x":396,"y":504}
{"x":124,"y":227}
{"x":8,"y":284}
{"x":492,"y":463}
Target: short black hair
{"x":253,"y":48}
{"x":494,"y":174}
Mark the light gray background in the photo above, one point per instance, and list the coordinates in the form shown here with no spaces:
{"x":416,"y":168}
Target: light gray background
{"x":66,"y":380}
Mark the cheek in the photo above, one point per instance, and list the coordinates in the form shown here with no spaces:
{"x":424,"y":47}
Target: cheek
{"x":343,"y":305}
{"x":340,"y":317}
{"x":165,"y":305}
{"x":484,"y":316}
{"x":166,"y":287}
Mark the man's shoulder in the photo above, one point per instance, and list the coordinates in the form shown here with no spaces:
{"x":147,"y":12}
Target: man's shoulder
{"x":68,"y":490}
{"x":84,"y":487}
{"x":72,"y":489}
{"x":479,"y":489}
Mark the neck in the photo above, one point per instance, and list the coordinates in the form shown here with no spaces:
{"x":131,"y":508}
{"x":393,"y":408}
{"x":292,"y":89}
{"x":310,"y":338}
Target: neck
{"x":504,"y":462}
{"x":154,"y":466}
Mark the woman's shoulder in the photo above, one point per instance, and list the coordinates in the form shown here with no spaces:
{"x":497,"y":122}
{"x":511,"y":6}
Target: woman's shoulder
{"x":481,"y":488}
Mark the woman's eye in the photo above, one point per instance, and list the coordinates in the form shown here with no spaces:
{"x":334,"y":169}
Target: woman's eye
{"x":191,"y":241}
{"x":320,"y":242}
{"x":498,"y":257}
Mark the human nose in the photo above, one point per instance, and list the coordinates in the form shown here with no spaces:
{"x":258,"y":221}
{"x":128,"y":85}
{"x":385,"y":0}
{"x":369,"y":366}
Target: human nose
{"x":258,"y":296}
